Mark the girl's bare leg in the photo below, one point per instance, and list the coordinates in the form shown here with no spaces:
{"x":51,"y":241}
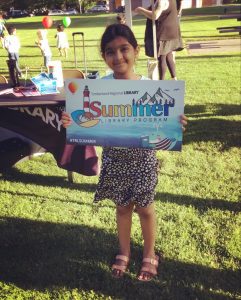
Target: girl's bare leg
{"x":171,"y":64}
{"x":65,"y":52}
{"x":164,"y":62}
{"x":148,"y":225}
{"x":174,"y":56}
{"x":124,"y":221}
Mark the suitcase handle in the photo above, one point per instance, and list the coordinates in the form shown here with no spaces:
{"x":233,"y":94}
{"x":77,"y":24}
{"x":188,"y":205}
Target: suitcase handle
{"x":77,"y":33}
{"x":82,"y":34}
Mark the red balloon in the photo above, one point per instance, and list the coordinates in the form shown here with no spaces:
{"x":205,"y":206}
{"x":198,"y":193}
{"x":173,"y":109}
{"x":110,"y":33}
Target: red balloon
{"x":47,"y":22}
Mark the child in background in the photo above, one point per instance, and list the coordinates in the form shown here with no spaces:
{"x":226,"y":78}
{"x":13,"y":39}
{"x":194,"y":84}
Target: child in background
{"x":62,"y":41}
{"x":121,"y":18}
{"x":128,"y":175}
{"x":2,"y":28}
{"x":43,"y":44}
{"x":12,"y":45}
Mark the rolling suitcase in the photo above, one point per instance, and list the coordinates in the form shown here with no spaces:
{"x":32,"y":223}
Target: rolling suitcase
{"x":81,"y":43}
{"x":75,"y":40}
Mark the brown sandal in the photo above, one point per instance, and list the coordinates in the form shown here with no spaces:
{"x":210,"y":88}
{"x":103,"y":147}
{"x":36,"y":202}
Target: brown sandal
{"x":118,"y":269}
{"x":147,"y":273}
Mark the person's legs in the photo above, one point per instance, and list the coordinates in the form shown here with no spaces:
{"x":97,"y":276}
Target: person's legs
{"x":164,"y":62}
{"x":124,"y":220}
{"x":148,"y":224}
{"x":162,"y":66}
{"x":14,"y":70}
{"x":11,"y":67}
{"x":47,"y":60}
{"x":65,"y":52}
{"x":174,"y":56}
{"x":16,"y":57}
{"x":60,"y":51}
{"x":170,"y":59}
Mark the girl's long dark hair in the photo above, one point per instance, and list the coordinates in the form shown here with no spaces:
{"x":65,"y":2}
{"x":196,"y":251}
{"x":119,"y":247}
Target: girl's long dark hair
{"x":115,"y":30}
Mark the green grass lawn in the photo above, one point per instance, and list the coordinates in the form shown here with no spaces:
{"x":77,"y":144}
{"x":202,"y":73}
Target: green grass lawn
{"x":55,"y":245}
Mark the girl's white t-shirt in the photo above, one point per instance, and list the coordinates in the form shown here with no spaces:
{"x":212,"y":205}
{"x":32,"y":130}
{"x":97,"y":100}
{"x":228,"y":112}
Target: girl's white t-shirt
{"x":62,"y":40}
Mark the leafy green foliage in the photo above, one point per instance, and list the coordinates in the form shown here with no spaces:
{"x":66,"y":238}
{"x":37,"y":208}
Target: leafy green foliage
{"x":32,"y":4}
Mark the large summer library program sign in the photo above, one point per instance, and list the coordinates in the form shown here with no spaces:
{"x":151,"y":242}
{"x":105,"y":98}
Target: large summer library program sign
{"x":125,"y":113}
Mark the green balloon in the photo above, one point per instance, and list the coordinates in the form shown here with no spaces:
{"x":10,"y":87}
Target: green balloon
{"x":66,"y":21}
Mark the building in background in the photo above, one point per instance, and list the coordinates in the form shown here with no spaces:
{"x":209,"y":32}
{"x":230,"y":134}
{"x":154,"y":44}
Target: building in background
{"x":115,"y":4}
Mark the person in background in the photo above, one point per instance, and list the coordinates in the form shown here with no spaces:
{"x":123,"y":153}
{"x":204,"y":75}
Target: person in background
{"x":2,"y":29}
{"x":43,"y":44}
{"x":12,"y":45}
{"x":62,"y":41}
{"x":167,"y":34}
{"x":121,"y":18}
{"x":128,"y":175}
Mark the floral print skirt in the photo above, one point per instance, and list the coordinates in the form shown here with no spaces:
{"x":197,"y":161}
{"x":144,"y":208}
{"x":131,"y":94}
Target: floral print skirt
{"x":128,"y":175}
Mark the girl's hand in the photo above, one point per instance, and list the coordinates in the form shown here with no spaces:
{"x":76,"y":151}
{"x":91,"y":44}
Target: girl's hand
{"x":183,"y":121}
{"x":65,"y":119}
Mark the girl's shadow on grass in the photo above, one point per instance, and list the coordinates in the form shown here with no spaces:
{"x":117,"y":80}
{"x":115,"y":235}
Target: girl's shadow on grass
{"x":39,"y":255}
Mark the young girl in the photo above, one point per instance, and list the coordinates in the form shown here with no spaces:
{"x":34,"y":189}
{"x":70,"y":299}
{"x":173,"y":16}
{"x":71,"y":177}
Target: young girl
{"x":128,"y":176}
{"x":62,"y":41}
{"x":43,"y":44}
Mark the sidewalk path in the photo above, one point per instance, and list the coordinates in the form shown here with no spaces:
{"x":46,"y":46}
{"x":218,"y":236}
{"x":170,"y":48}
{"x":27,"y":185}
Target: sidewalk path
{"x":205,"y":47}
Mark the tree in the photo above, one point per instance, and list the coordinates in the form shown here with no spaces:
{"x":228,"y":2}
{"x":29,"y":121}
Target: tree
{"x":6,"y":4}
{"x":32,"y":4}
